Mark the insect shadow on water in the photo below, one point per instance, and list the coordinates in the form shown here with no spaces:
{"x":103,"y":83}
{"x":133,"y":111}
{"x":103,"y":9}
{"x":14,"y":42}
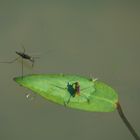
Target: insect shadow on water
{"x":74,"y":90}
{"x":24,"y":56}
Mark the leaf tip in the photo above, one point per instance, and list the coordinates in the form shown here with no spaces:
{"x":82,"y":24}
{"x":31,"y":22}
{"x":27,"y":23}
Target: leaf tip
{"x":17,"y":79}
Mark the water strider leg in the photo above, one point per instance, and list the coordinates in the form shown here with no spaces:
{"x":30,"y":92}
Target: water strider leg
{"x":22,"y":66}
{"x":32,"y":61}
{"x":10,"y":61}
{"x":23,"y":48}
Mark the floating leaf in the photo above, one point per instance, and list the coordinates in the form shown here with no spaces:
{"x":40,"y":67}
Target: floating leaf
{"x":58,"y":88}
{"x":92,"y":95}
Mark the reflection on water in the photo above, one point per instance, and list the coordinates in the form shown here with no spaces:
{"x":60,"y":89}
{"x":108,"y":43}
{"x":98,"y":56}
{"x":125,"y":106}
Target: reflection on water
{"x":95,"y":38}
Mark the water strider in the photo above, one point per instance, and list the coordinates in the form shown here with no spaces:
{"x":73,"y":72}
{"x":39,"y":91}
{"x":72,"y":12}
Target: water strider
{"x":23,"y":55}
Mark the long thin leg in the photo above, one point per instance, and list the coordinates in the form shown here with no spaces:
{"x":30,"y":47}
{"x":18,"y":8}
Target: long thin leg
{"x":22,"y":67}
{"x":67,"y":102}
{"x":32,"y":61}
{"x":36,"y":57}
{"x":32,"y":64}
{"x":59,"y":87}
{"x":10,"y":61}
{"x":23,"y":48}
{"x":88,"y":100}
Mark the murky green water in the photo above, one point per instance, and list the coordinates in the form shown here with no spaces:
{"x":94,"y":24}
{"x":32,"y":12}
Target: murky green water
{"x":79,"y":37}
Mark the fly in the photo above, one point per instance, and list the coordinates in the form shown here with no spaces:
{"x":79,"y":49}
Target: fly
{"x":73,"y":89}
{"x":76,"y":88}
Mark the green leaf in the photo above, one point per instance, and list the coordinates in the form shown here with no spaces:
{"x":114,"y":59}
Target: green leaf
{"x":60,"y":88}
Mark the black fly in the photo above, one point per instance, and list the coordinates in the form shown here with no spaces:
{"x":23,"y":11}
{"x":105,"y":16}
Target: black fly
{"x":73,"y":90}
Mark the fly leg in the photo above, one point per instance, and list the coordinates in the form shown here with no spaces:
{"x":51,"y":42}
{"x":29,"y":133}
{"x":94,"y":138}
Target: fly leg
{"x":88,"y":100}
{"x":67,"y":102}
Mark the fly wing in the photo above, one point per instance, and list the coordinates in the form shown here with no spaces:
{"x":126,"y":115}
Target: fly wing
{"x":85,"y":88}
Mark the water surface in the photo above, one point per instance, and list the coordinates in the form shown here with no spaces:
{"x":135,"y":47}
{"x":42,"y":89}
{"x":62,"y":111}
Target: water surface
{"x":101,"y":39}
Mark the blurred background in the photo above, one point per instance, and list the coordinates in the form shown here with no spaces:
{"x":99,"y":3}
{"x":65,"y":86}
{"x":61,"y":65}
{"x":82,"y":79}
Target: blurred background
{"x":98,"y":38}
